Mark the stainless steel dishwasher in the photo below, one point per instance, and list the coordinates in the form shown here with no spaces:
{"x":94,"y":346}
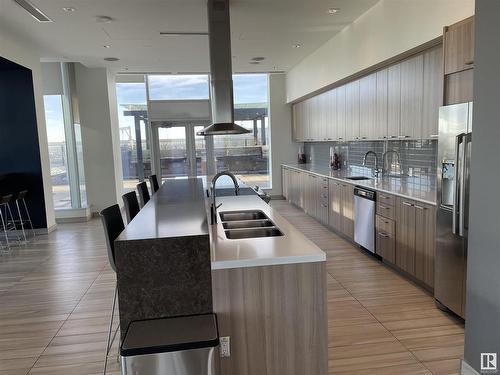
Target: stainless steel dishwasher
{"x":364,"y":218}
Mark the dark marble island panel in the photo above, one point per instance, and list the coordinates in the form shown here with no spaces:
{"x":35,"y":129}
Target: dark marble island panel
{"x":163,"y":256}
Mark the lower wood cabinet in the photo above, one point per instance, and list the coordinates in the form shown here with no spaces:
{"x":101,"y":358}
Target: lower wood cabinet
{"x":425,"y":242}
{"x":341,"y":208}
{"x":405,"y":229}
{"x":415,"y":239}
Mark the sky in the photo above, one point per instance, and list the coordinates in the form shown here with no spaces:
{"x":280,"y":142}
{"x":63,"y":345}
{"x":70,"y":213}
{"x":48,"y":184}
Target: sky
{"x":54,"y":118}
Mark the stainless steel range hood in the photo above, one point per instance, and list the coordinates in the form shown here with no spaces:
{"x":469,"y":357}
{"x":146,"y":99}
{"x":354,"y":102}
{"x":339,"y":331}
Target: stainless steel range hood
{"x":221,"y":72}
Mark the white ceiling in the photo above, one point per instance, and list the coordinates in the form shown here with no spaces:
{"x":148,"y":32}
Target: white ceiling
{"x":267,"y":28}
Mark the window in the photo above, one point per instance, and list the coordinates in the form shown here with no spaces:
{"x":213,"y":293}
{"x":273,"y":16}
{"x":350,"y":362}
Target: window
{"x":58,"y":155}
{"x":247,"y":155}
{"x":134,"y":133}
{"x":178,"y":87}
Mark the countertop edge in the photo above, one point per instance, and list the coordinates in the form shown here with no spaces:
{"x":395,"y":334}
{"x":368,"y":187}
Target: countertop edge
{"x":355,"y":183}
{"x":233,"y":264}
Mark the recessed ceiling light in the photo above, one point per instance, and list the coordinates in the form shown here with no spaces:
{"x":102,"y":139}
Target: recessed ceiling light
{"x":297,"y":45}
{"x":333,"y":10}
{"x":111,"y":59}
{"x":104,"y":19}
{"x":258,"y":58}
{"x":69,"y":9}
{"x":107,"y":46}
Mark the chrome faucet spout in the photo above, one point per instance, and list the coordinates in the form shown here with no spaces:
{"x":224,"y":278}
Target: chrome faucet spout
{"x":376,"y":171}
{"x":384,"y":158}
{"x":214,"y":207}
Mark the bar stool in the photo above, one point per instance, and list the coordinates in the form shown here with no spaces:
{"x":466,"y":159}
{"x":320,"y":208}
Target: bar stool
{"x":153,"y":180}
{"x":23,"y":221}
{"x":112,"y":222}
{"x":131,"y":205}
{"x":6,"y":218}
{"x":142,"y":188}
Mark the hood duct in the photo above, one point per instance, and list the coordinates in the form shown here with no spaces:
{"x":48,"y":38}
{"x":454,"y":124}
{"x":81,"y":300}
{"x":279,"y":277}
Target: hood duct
{"x":221,"y":71}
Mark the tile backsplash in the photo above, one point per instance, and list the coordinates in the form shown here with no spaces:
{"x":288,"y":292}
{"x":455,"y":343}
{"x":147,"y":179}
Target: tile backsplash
{"x":417,"y":157}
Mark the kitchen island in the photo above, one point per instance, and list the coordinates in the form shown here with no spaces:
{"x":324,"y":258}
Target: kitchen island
{"x":269,"y":293}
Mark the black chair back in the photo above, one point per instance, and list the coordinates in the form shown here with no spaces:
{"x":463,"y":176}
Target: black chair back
{"x":142,"y":188}
{"x":153,"y":180}
{"x":112,"y":222}
{"x":131,"y":205}
{"x":22,"y":194}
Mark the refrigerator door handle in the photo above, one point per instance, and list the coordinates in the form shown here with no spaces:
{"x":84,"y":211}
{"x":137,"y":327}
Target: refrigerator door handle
{"x":464,"y":208}
{"x":458,"y":184}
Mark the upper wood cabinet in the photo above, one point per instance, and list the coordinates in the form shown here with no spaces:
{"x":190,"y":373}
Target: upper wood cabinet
{"x":412,"y":90}
{"x":341,"y":113}
{"x":352,"y":110}
{"x":433,"y":89}
{"x":398,"y":102}
{"x":332,"y":129}
{"x":381,"y":112}
{"x":368,"y":107}
{"x":393,"y":101}
{"x":459,"y":46}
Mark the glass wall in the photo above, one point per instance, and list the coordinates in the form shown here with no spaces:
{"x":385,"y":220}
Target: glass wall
{"x":134,"y":133}
{"x":58,"y":155}
{"x":248,"y":155}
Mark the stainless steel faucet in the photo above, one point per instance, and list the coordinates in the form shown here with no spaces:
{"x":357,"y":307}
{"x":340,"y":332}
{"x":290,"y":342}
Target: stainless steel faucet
{"x":213,"y":206}
{"x":384,"y":158}
{"x":376,"y":171}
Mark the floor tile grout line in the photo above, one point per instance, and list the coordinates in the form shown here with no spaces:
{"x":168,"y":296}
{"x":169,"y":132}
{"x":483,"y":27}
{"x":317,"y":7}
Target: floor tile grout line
{"x":368,"y":311}
{"x":69,"y":315}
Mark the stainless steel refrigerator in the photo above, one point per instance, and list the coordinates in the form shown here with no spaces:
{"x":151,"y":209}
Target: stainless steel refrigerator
{"x":453,"y":181}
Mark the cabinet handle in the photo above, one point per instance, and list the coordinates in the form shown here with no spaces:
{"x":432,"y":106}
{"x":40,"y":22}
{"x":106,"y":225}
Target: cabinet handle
{"x":385,"y":197}
{"x":393,"y":136}
{"x":407,"y":204}
{"x":404,"y":136}
{"x":384,"y":207}
{"x":434,"y":135}
{"x":341,"y":138}
{"x":470,"y":62}
{"x":383,"y":235}
{"x":420,"y":207}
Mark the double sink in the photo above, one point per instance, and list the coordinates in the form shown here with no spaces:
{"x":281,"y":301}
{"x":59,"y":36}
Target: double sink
{"x":247,"y":224}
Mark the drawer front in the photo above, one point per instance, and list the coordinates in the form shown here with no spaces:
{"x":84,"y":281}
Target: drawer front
{"x":386,"y":199}
{"x":386,"y":246}
{"x":386,"y":210}
{"x":386,"y":225}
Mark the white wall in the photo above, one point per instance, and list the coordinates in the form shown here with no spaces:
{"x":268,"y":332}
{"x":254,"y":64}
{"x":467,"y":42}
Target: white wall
{"x":482,"y":326}
{"x":99,"y":123}
{"x":283,"y":149}
{"x":387,"y":29}
{"x":24,"y":53}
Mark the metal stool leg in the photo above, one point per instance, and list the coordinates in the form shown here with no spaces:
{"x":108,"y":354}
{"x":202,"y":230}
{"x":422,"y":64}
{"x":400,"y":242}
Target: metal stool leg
{"x":109,"y":342}
{"x":21,"y":221}
{"x":4,"y":229}
{"x":29,"y":217}
{"x":8,"y":212}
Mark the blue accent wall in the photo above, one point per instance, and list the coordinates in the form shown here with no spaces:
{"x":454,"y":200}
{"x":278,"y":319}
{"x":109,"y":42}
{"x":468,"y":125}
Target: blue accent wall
{"x":20,"y":165}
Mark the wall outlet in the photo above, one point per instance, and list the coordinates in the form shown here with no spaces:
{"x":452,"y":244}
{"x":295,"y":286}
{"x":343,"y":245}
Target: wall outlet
{"x":225,"y":346}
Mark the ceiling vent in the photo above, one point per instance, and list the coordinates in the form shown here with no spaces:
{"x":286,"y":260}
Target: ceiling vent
{"x":33,"y":10}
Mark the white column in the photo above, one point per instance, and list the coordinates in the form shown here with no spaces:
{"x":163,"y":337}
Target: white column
{"x":96,"y":94}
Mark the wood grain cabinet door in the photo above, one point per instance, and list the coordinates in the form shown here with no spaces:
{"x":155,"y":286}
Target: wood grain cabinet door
{"x":341,"y":113}
{"x":393,"y":101}
{"x":412,"y":78}
{"x":368,"y":107}
{"x":381,"y":131}
{"x":433,"y":92}
{"x":405,"y":235}
{"x":332,"y":131}
{"x":425,"y":243}
{"x":459,"y":46}
{"x":348,"y":210}
{"x":335,"y":205}
{"x":352,"y":110}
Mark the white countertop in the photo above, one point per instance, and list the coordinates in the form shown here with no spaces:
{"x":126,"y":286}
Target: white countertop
{"x":420,"y":189}
{"x":292,"y":247}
